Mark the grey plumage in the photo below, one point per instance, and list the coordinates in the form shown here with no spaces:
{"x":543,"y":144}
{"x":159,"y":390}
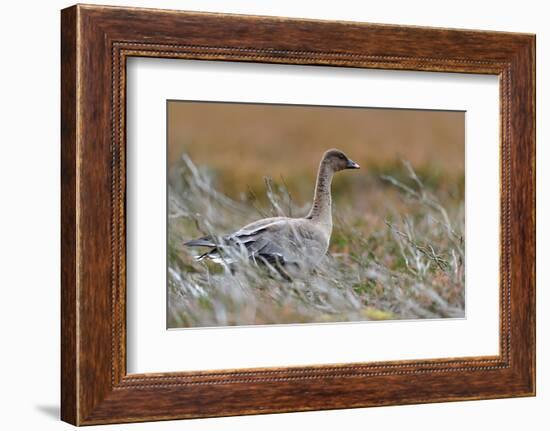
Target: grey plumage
{"x":284,"y":242}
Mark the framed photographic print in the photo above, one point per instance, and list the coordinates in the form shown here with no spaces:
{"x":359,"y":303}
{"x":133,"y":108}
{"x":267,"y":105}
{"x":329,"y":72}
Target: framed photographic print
{"x":267,"y":215}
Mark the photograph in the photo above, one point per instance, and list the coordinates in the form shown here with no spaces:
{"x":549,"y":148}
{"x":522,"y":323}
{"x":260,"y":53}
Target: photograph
{"x":294,"y":214}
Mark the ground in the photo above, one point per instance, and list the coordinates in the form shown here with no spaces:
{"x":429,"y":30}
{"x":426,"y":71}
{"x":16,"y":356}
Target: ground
{"x":397,"y":254}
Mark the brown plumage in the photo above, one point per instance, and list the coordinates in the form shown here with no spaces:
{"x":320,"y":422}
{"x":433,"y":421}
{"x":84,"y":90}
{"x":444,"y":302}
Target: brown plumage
{"x":284,"y":242}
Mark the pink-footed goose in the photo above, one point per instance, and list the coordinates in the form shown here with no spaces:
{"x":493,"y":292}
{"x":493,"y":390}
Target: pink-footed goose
{"x":285,"y":242}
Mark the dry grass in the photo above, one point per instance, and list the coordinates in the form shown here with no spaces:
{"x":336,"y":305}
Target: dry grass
{"x":397,"y":251}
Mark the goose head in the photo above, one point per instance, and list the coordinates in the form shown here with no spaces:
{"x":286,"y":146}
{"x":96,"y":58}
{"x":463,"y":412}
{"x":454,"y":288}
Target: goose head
{"x":338,"y":161}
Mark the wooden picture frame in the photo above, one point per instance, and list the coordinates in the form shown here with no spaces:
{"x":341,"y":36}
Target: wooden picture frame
{"x":95,"y":43}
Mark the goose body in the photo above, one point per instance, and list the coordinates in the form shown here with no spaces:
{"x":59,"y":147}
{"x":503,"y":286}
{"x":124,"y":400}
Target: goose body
{"x":285,"y":242}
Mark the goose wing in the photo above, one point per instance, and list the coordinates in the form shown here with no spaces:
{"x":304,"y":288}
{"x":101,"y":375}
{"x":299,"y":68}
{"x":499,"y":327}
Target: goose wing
{"x":263,"y":240}
{"x":243,"y":235}
{"x":277,"y":240}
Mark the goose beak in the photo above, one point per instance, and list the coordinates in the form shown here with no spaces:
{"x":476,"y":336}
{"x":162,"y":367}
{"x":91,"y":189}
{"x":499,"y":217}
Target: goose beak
{"x":352,"y":165}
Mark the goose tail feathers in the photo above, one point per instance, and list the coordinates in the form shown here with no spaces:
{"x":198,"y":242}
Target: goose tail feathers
{"x":205,"y":241}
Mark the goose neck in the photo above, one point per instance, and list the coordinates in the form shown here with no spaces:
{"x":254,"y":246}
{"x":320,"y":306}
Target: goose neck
{"x":321,"y":210}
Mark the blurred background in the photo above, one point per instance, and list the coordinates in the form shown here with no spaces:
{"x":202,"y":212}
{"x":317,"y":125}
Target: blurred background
{"x":243,"y":143}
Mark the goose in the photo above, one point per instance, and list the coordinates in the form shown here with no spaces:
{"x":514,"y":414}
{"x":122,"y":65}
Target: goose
{"x":283,"y":243}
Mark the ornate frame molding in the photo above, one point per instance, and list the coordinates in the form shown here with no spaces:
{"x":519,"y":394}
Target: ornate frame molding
{"x":96,"y":41}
